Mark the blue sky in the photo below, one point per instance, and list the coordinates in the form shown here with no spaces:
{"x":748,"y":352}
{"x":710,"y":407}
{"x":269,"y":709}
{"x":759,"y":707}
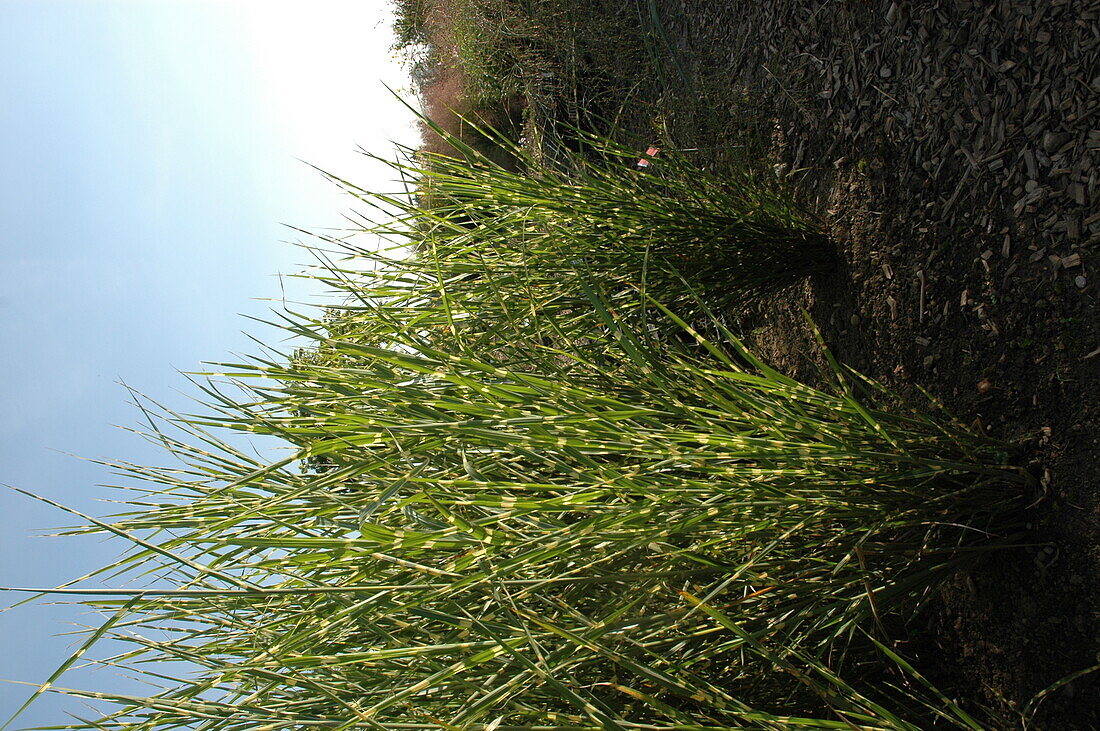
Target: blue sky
{"x":151,"y":155}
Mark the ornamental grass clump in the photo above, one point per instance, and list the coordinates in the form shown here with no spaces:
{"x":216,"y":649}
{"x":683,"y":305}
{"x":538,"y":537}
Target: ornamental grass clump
{"x":736,"y":235}
{"x":496,"y":529}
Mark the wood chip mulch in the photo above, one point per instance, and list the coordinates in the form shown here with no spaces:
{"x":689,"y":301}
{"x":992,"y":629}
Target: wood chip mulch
{"x":952,"y":148}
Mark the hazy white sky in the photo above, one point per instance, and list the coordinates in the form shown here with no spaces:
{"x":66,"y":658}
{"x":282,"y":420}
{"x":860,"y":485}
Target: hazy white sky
{"x":151,"y":152}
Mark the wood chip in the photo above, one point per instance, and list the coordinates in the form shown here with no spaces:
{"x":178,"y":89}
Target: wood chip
{"x":920,"y":312}
{"x":1029,"y":161}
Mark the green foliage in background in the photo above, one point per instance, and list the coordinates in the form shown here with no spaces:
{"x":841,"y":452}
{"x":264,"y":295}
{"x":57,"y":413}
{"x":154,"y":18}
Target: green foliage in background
{"x":572,"y":62}
{"x":488,"y":41}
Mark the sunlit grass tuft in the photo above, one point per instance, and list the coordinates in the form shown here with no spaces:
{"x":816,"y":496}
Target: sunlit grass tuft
{"x":737,"y":236}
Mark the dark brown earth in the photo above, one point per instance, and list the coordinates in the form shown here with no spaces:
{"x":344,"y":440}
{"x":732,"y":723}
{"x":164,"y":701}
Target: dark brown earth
{"x":952,"y":149}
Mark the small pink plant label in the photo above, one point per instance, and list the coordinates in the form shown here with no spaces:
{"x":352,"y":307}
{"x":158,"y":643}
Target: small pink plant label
{"x":643,"y":162}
